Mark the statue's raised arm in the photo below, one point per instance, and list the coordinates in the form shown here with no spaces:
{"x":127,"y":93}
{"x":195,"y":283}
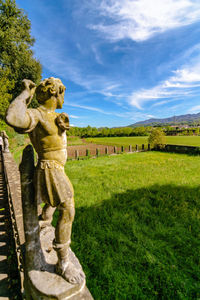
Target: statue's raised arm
{"x":16,"y":115}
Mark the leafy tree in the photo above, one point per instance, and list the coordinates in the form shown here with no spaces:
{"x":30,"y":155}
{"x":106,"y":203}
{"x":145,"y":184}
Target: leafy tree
{"x":16,"y":57}
{"x":157,"y":137}
{"x":5,"y":86}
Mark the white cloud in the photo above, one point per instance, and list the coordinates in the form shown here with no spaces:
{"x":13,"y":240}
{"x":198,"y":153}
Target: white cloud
{"x":160,"y":103}
{"x":73,"y":117}
{"x":187,"y":75}
{"x":92,"y":109}
{"x":141,"y":19}
{"x":137,"y":116}
{"x":86,"y":107}
{"x":194,"y":109}
{"x":181,"y":84}
{"x":125,"y":114}
{"x":97,"y":54}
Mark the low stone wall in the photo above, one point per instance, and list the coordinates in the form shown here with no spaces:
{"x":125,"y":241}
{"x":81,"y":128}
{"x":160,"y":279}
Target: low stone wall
{"x":12,"y":178}
{"x":74,"y":152}
{"x":179,"y":149}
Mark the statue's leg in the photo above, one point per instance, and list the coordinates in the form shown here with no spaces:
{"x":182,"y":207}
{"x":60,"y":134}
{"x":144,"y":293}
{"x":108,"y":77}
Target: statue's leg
{"x":46,"y":216}
{"x":63,"y":230}
{"x":64,"y":224}
{"x":62,"y":243}
{"x":47,"y":212}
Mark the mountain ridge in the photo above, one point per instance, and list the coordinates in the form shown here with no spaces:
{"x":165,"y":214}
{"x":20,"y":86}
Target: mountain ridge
{"x":188,"y":118}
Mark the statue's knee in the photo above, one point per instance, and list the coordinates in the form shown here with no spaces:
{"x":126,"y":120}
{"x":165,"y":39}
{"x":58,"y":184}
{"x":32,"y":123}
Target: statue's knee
{"x":68,"y":212}
{"x":71,"y":212}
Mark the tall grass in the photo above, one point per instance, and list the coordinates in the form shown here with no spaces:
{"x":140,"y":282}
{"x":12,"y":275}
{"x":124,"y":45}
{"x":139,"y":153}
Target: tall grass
{"x":136,"y":230}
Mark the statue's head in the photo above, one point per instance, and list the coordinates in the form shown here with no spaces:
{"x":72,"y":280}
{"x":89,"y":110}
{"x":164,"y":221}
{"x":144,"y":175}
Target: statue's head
{"x":51,"y":87}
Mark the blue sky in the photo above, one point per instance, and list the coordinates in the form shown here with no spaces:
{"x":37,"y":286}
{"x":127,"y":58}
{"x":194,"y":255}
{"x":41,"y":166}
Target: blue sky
{"x":122,"y":61}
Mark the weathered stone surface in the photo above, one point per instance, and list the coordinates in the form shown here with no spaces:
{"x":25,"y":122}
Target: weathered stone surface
{"x":46,"y":183}
{"x":41,"y":281}
{"x":13,"y":178}
{"x":47,"y":283}
{"x":5,"y":145}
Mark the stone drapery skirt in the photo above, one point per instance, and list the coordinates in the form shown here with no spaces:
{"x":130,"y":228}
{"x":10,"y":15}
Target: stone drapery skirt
{"x":52,"y":186}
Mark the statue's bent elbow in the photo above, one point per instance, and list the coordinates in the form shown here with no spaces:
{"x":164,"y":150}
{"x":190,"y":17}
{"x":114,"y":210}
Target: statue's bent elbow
{"x":9,"y":119}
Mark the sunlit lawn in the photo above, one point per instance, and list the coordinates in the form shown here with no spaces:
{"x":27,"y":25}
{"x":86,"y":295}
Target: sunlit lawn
{"x":139,"y":140}
{"x":136,"y":230}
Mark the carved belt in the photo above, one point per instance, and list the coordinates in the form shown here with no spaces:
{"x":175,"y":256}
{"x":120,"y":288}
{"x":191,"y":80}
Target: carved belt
{"x":49,"y":164}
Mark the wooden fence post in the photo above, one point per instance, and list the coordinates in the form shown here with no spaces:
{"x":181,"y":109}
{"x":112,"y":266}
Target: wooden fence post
{"x":136,"y":147}
{"x":87,"y":152}
{"x":76,"y":154}
{"x":97,"y":152}
{"x":106,"y":150}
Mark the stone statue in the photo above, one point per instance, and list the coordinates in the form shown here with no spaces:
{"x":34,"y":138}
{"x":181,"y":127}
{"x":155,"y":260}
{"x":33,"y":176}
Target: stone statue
{"x":5,"y":141}
{"x":47,"y":132}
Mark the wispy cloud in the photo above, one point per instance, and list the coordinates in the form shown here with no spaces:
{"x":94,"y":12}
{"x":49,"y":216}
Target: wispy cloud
{"x":141,"y":19}
{"x":182,"y":83}
{"x":138,"y":116}
{"x":97,"y":54}
{"x":73,"y":117}
{"x":86,"y":107}
{"x":95,"y":109}
{"x":194,"y":109}
{"x":161,"y":103}
{"x":69,"y":68}
{"x":131,"y":115}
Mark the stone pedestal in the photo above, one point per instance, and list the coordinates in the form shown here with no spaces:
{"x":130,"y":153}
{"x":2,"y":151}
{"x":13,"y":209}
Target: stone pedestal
{"x":46,"y":284}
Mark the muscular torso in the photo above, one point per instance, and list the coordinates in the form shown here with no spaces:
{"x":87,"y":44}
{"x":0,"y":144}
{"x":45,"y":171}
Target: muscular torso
{"x":49,"y":141}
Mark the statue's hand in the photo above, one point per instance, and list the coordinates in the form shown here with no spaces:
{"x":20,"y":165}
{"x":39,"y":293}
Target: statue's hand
{"x":30,"y":87}
{"x":62,"y":121}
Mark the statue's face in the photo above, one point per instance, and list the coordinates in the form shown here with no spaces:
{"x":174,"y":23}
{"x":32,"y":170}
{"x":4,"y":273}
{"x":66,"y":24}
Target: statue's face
{"x":60,"y":100}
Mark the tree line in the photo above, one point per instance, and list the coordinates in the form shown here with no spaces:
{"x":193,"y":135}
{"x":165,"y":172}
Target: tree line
{"x":16,"y":56}
{"x":89,"y":131}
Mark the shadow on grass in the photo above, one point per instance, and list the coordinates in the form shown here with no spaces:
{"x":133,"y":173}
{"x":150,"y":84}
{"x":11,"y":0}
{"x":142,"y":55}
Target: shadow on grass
{"x":141,"y":244}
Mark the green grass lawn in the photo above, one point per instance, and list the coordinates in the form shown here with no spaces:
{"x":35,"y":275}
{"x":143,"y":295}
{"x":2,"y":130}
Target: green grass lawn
{"x":126,"y":141}
{"x":74,"y":140}
{"x":136,"y":229}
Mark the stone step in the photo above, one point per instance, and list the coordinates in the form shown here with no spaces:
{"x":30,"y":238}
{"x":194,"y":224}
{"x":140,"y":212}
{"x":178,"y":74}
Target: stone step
{"x":3,"y":276}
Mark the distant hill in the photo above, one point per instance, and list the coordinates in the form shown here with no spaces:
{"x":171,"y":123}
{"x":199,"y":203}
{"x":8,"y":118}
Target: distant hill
{"x":183,"y":119}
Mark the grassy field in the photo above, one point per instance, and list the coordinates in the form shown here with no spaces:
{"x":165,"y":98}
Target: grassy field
{"x":74,"y":140}
{"x":136,"y":230}
{"x":139,"y":140}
